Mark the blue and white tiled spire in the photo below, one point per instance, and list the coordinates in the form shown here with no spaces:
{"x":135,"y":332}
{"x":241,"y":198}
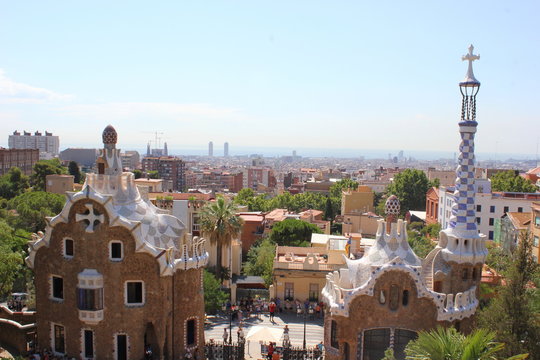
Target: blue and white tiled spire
{"x":461,"y":240}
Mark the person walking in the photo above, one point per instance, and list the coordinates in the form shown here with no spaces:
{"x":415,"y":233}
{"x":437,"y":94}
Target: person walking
{"x":225,"y":335}
{"x":272,"y":309}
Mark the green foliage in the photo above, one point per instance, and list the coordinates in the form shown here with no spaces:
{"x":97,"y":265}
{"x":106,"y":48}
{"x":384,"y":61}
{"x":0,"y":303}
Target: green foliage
{"x":498,"y":258}
{"x":419,"y":237}
{"x":12,"y":252}
{"x":152,"y":174}
{"x":32,"y":208}
{"x":13,"y":183}
{"x":43,"y":168}
{"x":329,"y":210}
{"x":73,"y":169}
{"x":293,"y":232}
{"x":510,"y":181}
{"x":137,"y":173}
{"x":214,"y":297}
{"x":260,"y":260}
{"x":339,"y":186}
{"x":294,"y":203}
{"x":220,"y":225}
{"x":448,"y":344}
{"x":410,"y":186}
{"x":512,"y":313}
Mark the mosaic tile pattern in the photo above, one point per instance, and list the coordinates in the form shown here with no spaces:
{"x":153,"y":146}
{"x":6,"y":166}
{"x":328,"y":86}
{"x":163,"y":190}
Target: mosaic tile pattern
{"x":463,"y":210}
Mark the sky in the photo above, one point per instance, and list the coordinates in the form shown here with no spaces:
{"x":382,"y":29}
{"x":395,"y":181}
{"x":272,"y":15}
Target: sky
{"x":323,"y":75}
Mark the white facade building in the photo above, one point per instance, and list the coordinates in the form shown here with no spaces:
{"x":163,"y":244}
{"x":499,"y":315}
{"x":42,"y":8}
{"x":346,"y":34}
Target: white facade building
{"x":489,"y":205}
{"x":48,"y":144}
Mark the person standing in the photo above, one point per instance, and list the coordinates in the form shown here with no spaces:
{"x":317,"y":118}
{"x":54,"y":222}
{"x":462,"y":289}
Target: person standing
{"x":272,"y":309}
{"x":225,"y":335}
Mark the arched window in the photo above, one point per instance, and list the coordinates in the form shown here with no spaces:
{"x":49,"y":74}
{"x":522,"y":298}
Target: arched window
{"x":474,"y":274}
{"x":333,"y":335}
{"x":393,"y":302}
{"x":191,"y":332}
{"x":405,"y":298}
{"x":465,"y":274}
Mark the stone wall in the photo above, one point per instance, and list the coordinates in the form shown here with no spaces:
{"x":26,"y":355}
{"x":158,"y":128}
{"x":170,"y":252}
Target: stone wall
{"x":14,"y":335}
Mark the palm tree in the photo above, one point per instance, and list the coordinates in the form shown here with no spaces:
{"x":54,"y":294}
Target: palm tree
{"x":220,"y":225}
{"x":449,"y":344}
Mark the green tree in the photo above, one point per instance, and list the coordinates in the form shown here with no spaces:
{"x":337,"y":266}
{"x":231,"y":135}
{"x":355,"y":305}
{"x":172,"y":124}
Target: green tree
{"x":12,"y":252}
{"x":220,"y":225}
{"x":448,"y":344}
{"x":410,"y":186}
{"x":137,"y":173}
{"x":419,"y":238}
{"x":339,"y":186}
{"x":13,"y":183}
{"x":329,"y":210}
{"x":152,"y":174}
{"x":293,"y":232}
{"x":512,"y":182}
{"x":214,"y":297}
{"x":244,"y":196}
{"x":73,"y":169}
{"x":32,"y":208}
{"x":43,"y":168}
{"x":512,"y":313}
{"x":260,"y":260}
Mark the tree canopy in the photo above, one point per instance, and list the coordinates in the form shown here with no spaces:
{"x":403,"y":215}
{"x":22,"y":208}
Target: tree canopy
{"x":32,"y":208}
{"x":260,"y":260}
{"x":74,"y":170}
{"x":511,"y":182}
{"x":214,"y":297}
{"x":512,"y":314}
{"x":410,"y":186}
{"x":293,"y":232}
{"x":43,"y":168}
{"x":13,"y":183}
{"x":13,"y":245}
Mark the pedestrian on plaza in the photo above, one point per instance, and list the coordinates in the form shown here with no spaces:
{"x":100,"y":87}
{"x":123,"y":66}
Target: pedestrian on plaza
{"x":240,"y":334}
{"x":286,"y":337}
{"x":270,"y":350}
{"x":225,"y":335}
{"x":272,"y":309}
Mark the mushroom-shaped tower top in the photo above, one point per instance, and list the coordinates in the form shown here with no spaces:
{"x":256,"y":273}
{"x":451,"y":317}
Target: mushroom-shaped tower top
{"x":392,"y":206}
{"x":109,"y":135}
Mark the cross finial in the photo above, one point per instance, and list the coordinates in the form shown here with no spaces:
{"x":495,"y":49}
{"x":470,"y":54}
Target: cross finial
{"x":470,"y":57}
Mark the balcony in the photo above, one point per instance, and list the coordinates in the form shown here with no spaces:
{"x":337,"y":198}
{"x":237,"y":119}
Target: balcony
{"x":91,"y":317}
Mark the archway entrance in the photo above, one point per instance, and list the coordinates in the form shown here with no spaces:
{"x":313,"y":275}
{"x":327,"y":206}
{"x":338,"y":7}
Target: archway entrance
{"x":150,"y":341}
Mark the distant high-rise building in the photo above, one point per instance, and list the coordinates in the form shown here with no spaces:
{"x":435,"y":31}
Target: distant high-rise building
{"x":226,"y":149}
{"x":148,"y":153}
{"x":294,"y":153}
{"x":210,"y":149}
{"x":47,"y":144}
{"x":165,"y":149}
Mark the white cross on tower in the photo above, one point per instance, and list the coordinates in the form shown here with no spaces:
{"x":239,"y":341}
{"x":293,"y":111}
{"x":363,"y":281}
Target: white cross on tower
{"x":91,"y":217}
{"x":470,"y":57}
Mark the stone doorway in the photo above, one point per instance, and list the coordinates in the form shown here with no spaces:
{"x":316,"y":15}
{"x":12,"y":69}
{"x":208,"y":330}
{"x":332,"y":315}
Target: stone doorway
{"x":150,"y":341}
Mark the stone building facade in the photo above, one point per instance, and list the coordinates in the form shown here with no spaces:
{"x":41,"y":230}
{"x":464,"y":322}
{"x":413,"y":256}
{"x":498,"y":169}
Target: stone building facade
{"x":383,"y":299}
{"x":116,"y":276}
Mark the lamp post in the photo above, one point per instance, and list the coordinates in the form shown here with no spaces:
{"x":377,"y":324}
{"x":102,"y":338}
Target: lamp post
{"x":305,"y":319}
{"x":230,"y":326}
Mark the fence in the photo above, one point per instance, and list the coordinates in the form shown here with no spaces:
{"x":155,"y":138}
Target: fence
{"x":224,"y":351}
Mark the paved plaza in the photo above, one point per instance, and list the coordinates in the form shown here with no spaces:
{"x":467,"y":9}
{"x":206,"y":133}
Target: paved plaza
{"x":314,"y":329}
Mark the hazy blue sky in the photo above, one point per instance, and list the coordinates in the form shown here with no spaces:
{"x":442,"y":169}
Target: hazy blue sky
{"x":288,"y":74}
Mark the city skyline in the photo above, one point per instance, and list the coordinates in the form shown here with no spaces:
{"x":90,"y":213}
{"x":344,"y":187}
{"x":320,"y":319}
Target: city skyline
{"x":306,"y":75}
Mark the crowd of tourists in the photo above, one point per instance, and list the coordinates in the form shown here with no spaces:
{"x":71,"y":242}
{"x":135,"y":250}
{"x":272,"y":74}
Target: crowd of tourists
{"x":247,"y":307}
